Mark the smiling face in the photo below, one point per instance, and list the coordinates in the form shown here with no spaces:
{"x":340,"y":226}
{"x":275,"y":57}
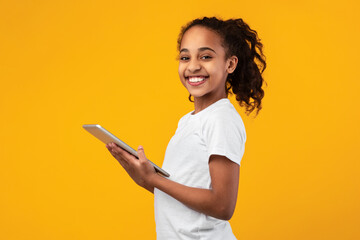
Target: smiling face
{"x":203,"y":68}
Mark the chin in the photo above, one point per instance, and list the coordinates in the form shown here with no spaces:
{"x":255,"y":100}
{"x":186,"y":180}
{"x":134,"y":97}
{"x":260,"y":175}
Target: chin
{"x":197,"y":94}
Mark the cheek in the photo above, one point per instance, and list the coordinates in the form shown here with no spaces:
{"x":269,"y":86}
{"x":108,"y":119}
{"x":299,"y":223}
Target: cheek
{"x":181,"y":70}
{"x":181,"y":67}
{"x":181,"y":74}
{"x":218,"y":71}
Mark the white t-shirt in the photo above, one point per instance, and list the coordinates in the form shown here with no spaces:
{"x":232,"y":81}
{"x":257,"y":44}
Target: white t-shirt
{"x":216,"y":130}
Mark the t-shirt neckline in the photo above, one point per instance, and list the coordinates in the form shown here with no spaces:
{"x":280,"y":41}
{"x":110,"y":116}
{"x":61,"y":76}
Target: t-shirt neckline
{"x":208,"y":108}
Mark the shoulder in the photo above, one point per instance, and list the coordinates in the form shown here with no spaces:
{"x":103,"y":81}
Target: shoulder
{"x":223,"y":132}
{"x":224,"y":115}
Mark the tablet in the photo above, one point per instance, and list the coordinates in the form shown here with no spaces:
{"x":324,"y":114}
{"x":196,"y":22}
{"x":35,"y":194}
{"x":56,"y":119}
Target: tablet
{"x":106,"y":137}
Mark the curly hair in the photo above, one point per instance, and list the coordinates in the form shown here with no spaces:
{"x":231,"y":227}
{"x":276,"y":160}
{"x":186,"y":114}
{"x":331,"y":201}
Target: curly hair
{"x":241,"y":41}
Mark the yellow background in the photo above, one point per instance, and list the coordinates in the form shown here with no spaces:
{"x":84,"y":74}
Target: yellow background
{"x":67,"y":63}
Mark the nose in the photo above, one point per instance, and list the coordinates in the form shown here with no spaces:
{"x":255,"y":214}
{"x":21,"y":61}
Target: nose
{"x":194,"y":65}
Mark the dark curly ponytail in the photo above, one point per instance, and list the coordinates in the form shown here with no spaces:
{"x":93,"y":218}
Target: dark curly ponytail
{"x":241,"y":41}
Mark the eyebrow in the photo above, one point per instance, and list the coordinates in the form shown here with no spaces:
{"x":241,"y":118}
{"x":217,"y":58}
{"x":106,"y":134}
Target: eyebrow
{"x":200,"y":49}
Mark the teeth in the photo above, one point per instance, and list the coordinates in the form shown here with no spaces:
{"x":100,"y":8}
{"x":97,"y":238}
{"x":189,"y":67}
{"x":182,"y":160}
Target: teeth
{"x":196,"y":79}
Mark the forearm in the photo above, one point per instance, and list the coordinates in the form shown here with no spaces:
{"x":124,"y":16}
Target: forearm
{"x":218,"y":202}
{"x":206,"y":201}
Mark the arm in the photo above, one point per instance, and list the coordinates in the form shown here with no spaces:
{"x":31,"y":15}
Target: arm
{"x":218,"y":202}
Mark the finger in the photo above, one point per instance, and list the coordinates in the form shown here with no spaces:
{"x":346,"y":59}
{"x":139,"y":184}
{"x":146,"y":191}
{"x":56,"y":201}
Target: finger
{"x":119,"y":151}
{"x":114,"y":152}
{"x":108,"y":146}
{"x":141,"y":153}
{"x":123,"y":163}
{"x":123,"y":152}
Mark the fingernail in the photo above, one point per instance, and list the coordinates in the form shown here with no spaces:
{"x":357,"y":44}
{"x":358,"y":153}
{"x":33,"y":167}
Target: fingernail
{"x":140,"y":148}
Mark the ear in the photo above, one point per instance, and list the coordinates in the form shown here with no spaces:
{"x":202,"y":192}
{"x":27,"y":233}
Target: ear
{"x":232,"y":63}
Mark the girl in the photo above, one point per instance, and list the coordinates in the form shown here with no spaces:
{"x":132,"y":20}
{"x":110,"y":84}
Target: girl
{"x":216,"y":58}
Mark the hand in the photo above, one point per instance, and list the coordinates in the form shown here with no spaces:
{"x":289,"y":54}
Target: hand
{"x":140,"y":170}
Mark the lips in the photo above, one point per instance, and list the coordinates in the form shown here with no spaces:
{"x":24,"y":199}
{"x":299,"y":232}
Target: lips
{"x":196,"y":80}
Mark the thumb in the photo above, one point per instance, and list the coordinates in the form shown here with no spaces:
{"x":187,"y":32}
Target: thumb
{"x":141,"y":153}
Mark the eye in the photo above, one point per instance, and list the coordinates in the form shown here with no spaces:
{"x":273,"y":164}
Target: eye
{"x":206,"y":57}
{"x":183,"y":58}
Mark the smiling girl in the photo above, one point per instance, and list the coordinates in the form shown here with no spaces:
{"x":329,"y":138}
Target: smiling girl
{"x":216,"y":58}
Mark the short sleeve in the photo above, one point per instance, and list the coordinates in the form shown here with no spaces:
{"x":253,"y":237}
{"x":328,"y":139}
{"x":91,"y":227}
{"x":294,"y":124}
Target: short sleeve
{"x":224,"y":134}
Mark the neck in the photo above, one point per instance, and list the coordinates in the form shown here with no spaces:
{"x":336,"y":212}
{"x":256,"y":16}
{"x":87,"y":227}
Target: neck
{"x":200,"y":103}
